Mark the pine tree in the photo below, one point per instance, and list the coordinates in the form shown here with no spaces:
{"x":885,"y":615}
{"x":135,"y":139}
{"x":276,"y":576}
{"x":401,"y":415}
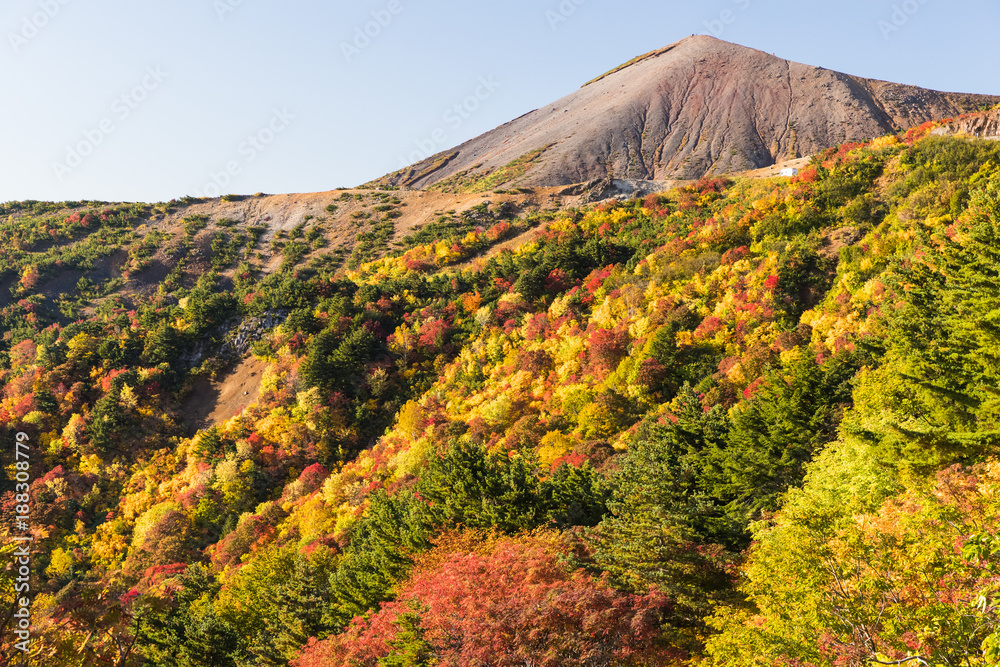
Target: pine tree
{"x":383,"y":544}
{"x":935,"y":400}
{"x":186,"y":631}
{"x":471,"y":487}
{"x":657,"y":508}
{"x":409,"y":648}
{"x":777,"y":432}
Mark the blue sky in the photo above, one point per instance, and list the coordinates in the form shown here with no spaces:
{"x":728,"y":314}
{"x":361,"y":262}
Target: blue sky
{"x":137,"y":100}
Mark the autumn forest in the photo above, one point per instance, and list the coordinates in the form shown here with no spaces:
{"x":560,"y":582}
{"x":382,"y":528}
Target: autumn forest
{"x":746,"y":421}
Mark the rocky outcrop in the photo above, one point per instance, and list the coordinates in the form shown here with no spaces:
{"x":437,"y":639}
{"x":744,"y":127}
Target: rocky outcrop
{"x":239,"y":341}
{"x":981,"y":126}
{"x":615,"y":188}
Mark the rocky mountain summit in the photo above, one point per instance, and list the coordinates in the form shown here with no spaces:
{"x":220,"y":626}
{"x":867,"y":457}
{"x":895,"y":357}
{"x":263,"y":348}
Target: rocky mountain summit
{"x":699,"y":106}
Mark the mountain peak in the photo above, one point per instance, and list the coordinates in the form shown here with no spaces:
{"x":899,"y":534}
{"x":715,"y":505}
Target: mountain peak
{"x":695,"y":107}
{"x":700,"y":46}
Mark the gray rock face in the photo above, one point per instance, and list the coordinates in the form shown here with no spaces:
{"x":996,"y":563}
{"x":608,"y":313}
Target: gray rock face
{"x":240,"y":340}
{"x":980,"y":126}
{"x":615,"y":188}
{"x":700,"y":106}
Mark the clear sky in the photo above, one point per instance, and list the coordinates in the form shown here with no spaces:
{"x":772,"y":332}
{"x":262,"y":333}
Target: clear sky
{"x":136,"y":100}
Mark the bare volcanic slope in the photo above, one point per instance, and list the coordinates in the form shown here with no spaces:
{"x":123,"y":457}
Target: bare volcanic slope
{"x":696,"y":107}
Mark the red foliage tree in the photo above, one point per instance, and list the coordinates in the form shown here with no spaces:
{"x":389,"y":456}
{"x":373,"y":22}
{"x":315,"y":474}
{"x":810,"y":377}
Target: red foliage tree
{"x":734,"y":255}
{"x":31,"y":278}
{"x":434,"y":335}
{"x":708,"y":327}
{"x":915,"y":134}
{"x":655,"y":201}
{"x":535,"y":362}
{"x":707,"y":185}
{"x":557,"y":281}
{"x":651,"y":373}
{"x":313,"y":477}
{"x":23,"y":354}
{"x":498,"y":231}
{"x":511,"y":603}
{"x":595,"y":280}
{"x":808,"y":175}
{"x":607,"y":347}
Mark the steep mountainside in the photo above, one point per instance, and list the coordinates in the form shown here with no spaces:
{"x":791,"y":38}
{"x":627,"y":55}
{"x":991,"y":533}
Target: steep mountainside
{"x":696,"y":107}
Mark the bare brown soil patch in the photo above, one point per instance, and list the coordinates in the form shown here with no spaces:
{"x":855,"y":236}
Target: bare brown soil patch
{"x":213,"y":402}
